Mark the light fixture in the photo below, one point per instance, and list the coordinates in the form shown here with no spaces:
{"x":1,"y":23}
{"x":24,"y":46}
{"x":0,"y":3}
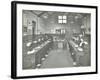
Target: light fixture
{"x":45,"y":17}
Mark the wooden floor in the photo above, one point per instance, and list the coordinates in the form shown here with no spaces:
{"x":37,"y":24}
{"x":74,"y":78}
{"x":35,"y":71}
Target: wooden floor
{"x":58,"y":58}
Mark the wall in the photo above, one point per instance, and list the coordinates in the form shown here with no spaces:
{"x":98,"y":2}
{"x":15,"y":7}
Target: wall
{"x":87,"y":23}
{"x":28,"y":17}
{"x":42,"y":28}
{"x":51,"y":23}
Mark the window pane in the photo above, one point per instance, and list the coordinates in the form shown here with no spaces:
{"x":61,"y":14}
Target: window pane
{"x":62,"y":31}
{"x":60,"y":21}
{"x":60,"y":17}
{"x":64,"y":17}
{"x":64,"y":21}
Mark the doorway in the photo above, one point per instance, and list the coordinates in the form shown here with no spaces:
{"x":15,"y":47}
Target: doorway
{"x":33,"y":29}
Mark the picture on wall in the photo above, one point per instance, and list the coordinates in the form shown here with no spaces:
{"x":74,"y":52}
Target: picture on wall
{"x":53,"y":39}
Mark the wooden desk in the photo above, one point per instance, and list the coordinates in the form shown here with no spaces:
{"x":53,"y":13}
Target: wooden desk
{"x":76,"y":52}
{"x":33,"y":57}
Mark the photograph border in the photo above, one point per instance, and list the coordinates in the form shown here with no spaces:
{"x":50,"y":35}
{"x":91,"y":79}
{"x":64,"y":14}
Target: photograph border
{"x":14,"y":38}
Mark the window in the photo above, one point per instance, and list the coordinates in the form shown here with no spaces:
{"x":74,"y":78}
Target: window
{"x":62,"y":19}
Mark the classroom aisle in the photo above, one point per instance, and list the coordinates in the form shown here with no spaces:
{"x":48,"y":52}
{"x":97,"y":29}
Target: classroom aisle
{"x":57,"y":58}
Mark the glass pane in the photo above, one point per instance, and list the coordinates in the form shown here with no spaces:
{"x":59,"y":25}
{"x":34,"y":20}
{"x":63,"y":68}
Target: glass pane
{"x":64,"y":21}
{"x":60,"y":17}
{"x":62,"y":31}
{"x":64,"y":17}
{"x":60,"y":21}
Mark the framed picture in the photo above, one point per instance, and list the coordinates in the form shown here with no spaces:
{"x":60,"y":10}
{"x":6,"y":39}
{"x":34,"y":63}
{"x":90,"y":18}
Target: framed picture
{"x":50,"y":39}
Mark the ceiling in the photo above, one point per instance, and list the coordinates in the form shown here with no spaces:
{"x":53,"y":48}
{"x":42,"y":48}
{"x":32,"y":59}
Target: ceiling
{"x":45,"y":14}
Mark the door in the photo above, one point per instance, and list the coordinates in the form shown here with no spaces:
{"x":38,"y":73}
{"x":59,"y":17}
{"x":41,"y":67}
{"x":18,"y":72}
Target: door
{"x":33,"y":29}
